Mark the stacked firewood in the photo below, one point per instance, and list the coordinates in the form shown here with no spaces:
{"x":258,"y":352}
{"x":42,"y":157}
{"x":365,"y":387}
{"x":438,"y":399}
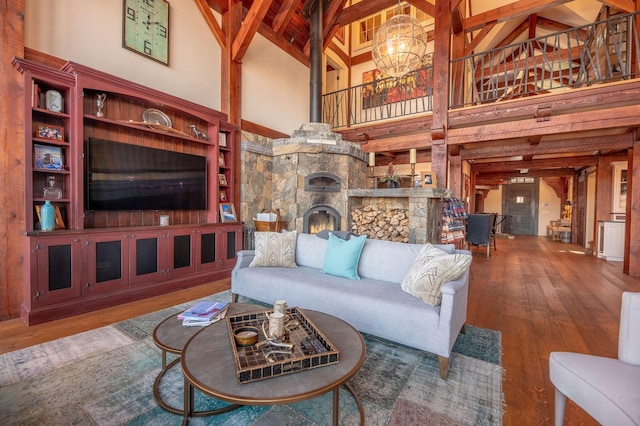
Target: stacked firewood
{"x":390,"y":225}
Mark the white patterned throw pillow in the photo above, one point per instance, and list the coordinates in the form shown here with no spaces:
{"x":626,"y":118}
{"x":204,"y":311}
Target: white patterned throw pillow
{"x":430,"y":271}
{"x":275,"y":249}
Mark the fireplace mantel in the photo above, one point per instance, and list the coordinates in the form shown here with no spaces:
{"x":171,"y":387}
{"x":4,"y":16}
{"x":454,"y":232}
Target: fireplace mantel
{"x":401,"y":193}
{"x":423,"y":205}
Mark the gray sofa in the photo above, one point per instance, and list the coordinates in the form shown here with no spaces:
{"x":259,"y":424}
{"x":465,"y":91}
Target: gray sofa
{"x":375,"y":304}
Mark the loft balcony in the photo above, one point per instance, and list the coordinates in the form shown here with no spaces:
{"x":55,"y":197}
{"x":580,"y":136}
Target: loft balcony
{"x":595,"y":54}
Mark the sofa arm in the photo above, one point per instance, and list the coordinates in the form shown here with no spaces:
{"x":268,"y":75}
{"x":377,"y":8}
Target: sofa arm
{"x":244,"y":258}
{"x":453,"y":309}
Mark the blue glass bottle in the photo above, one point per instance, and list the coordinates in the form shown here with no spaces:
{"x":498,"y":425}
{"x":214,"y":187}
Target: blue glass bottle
{"x":47,"y":216}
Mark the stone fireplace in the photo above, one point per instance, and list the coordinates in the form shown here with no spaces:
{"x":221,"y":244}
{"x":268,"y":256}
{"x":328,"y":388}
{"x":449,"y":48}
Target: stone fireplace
{"x":306,"y":177}
{"x":317,"y":181}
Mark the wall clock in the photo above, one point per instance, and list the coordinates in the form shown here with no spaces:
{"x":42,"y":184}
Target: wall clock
{"x":145,"y":28}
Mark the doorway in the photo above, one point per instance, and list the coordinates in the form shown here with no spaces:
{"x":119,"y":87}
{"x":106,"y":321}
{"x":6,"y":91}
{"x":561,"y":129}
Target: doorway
{"x":520,"y":201}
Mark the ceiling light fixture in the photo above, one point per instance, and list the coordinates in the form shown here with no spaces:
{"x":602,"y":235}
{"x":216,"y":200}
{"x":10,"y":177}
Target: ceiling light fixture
{"x":399,"y":45}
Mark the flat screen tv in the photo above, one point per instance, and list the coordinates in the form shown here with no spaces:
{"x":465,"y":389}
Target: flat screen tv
{"x":122,"y":176}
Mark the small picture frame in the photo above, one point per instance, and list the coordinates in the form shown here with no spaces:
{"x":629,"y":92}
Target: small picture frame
{"x":222,"y":139}
{"x":428,"y":179}
{"x":222,"y":179}
{"x":227,"y":213}
{"x":59,"y":221}
{"x":222,"y":195}
{"x":47,"y":131}
{"x":221,"y":162}
{"x":47,"y":157}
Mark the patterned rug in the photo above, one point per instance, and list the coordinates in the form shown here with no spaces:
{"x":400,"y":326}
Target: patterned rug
{"x":105,"y":377}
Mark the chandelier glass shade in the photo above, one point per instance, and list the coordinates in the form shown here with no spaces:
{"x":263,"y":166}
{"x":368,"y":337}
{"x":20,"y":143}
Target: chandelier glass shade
{"x":399,"y":45}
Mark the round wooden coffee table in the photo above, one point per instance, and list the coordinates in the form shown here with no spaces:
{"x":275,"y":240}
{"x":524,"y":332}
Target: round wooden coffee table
{"x":208,"y":365}
{"x":171,"y":337}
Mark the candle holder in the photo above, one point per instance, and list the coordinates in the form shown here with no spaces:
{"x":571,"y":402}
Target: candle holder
{"x":374,"y":181}
{"x":413,"y":175}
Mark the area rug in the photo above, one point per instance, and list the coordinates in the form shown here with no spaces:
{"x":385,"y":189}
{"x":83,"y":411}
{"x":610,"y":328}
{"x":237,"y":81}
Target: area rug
{"x":105,"y":377}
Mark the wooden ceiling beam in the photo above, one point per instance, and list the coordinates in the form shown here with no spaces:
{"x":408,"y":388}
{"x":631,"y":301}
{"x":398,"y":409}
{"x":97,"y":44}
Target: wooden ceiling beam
{"x":360,"y":10}
{"x":329,"y":18}
{"x":558,"y":146}
{"x":215,"y":28}
{"x":555,"y":26}
{"x":251,"y":24}
{"x":424,"y":6}
{"x":611,"y":118}
{"x":399,"y":143}
{"x":491,"y":177}
{"x":624,"y":5}
{"x":543,"y":163}
{"x":478,"y":38}
{"x":283,"y":17}
{"x":510,"y":11}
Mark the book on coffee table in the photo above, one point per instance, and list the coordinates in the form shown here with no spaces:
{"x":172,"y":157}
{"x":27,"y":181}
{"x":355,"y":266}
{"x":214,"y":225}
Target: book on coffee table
{"x":203,"y":313}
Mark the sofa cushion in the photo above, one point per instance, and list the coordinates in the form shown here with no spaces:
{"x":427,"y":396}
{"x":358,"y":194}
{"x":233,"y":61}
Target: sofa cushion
{"x":310,"y":250}
{"x":275,"y":249}
{"x":342,"y":256}
{"x":430,"y":271}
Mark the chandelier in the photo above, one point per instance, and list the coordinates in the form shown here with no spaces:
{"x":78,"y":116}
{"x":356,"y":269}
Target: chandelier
{"x":399,"y":45}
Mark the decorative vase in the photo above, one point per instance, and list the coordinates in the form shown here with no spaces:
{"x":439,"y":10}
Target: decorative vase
{"x":47,"y":216}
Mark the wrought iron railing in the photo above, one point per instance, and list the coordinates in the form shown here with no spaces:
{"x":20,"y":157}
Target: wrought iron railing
{"x":380,"y":99}
{"x":600,"y":52}
{"x":596,"y":53}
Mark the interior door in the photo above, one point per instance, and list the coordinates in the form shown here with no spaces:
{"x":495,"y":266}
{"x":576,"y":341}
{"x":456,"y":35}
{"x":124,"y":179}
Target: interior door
{"x":520,"y":202}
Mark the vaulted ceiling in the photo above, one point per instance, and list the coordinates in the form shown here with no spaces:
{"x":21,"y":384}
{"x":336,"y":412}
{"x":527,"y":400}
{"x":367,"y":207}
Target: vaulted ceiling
{"x":486,"y":24}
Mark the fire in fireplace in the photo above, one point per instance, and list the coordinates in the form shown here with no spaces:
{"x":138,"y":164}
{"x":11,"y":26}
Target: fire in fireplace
{"x":319,"y":218}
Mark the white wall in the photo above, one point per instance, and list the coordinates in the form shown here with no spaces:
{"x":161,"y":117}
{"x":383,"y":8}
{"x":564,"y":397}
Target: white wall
{"x":275,"y":86}
{"x":493,"y":201}
{"x":275,"y":90}
{"x":548,"y":207}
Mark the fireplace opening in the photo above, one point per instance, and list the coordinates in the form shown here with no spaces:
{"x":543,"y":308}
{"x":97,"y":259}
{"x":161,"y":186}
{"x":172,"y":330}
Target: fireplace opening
{"x":319,"y":218}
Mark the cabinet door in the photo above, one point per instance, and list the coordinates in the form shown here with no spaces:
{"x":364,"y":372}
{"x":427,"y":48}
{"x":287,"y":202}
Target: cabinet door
{"x":231,"y":238}
{"x":181,"y":252}
{"x":207,"y":249}
{"x":107,"y":263}
{"x":147,"y":254}
{"x":59,"y":266}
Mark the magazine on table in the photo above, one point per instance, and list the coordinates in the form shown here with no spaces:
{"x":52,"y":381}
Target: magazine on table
{"x":203,"y":313}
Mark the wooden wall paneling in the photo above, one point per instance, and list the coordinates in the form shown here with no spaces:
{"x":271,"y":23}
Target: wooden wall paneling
{"x":604,"y":183}
{"x":12,"y":221}
{"x":631,"y":263}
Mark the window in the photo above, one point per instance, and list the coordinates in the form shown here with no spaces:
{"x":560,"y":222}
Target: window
{"x":365,"y":29}
{"x":368,"y":28}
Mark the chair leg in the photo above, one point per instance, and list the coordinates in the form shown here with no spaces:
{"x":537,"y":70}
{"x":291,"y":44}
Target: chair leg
{"x":561,"y":403}
{"x":489,"y":249}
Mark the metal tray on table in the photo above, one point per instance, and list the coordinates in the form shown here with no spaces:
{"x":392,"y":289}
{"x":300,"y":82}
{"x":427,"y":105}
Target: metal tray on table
{"x":311,"y":348}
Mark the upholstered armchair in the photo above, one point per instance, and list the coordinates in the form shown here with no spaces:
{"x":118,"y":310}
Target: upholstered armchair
{"x":608,"y":389}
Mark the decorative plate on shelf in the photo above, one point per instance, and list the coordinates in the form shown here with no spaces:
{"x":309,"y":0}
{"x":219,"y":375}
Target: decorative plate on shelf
{"x":155,"y":116}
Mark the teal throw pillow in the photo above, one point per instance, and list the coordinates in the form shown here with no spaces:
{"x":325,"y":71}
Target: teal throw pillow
{"x":342,"y":256}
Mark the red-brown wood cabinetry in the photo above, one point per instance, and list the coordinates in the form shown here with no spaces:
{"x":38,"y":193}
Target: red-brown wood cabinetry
{"x":95,"y":258}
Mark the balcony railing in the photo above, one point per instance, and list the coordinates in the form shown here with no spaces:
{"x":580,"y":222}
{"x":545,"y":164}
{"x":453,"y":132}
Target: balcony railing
{"x":601,"y":52}
{"x":380,"y":99}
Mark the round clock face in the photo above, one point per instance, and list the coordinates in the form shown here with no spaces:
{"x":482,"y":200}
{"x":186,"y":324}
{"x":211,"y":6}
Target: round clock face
{"x":146,"y":28}
{"x":53,"y":100}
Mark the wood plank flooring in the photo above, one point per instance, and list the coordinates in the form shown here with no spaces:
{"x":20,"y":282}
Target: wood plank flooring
{"x":543,"y":296}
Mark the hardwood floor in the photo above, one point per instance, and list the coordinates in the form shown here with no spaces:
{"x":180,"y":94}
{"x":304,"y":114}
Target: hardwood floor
{"x":543,"y":296}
